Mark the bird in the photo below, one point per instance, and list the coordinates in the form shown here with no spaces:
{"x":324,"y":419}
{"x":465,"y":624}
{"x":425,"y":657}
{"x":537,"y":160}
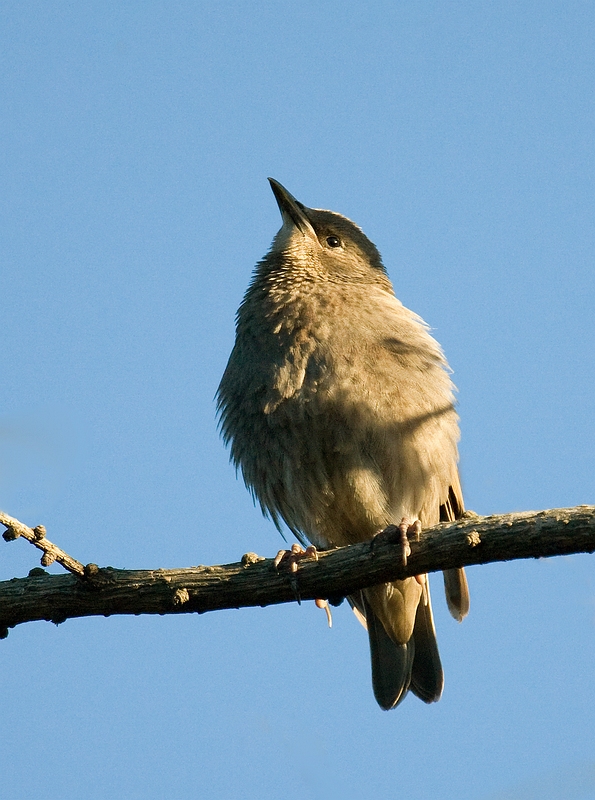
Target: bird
{"x":339,"y":410}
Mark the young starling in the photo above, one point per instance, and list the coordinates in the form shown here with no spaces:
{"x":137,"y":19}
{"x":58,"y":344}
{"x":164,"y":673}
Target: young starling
{"x":339,"y":410}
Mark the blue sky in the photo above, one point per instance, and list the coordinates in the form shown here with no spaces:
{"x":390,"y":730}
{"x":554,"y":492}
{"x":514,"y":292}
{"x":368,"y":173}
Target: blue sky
{"x":136,"y":139}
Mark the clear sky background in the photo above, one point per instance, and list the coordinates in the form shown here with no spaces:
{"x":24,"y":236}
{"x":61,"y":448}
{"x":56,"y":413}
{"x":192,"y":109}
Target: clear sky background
{"x":136,"y":139}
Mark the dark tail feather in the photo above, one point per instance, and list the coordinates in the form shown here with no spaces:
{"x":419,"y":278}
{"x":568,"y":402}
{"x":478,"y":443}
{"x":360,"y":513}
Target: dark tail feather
{"x":391,"y":663}
{"x":427,"y":678}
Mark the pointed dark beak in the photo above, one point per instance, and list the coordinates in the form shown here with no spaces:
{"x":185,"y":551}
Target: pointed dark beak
{"x":291,"y":209}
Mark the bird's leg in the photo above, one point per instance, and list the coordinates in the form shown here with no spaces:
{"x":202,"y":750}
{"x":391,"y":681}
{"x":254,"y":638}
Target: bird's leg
{"x":293,"y":557}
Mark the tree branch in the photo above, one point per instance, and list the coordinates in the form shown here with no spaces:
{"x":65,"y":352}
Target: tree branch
{"x":36,"y":536}
{"x":91,"y":591}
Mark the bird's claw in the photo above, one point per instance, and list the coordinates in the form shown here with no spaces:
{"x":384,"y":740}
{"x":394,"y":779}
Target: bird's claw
{"x":324,"y":604}
{"x":406,"y":528}
{"x":292,"y":558}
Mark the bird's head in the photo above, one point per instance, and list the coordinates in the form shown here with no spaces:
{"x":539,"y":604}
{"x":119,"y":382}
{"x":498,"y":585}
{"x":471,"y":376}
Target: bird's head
{"x":325,"y":242}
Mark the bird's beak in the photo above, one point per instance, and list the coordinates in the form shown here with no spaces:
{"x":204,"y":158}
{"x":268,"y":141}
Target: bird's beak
{"x":292,"y":211}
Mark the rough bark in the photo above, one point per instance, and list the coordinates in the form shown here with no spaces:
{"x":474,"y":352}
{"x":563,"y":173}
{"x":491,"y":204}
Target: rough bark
{"x":254,"y":581}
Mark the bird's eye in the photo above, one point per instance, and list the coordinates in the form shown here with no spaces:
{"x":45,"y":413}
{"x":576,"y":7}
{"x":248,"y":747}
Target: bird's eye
{"x":333,"y":241}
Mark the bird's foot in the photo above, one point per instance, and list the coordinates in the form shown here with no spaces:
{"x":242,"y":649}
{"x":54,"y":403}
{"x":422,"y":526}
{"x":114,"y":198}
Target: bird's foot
{"x":407,"y":528}
{"x":324,"y":604}
{"x":292,"y":558}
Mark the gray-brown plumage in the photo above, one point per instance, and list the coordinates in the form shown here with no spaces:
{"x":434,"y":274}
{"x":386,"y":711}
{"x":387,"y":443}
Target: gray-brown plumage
{"x":338,"y":406}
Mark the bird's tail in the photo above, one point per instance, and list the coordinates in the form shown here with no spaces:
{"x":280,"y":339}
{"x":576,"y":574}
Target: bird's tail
{"x":398,"y":667}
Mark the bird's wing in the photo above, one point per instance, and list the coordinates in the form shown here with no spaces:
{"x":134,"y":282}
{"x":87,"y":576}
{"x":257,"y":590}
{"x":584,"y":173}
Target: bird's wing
{"x":455,"y":580}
